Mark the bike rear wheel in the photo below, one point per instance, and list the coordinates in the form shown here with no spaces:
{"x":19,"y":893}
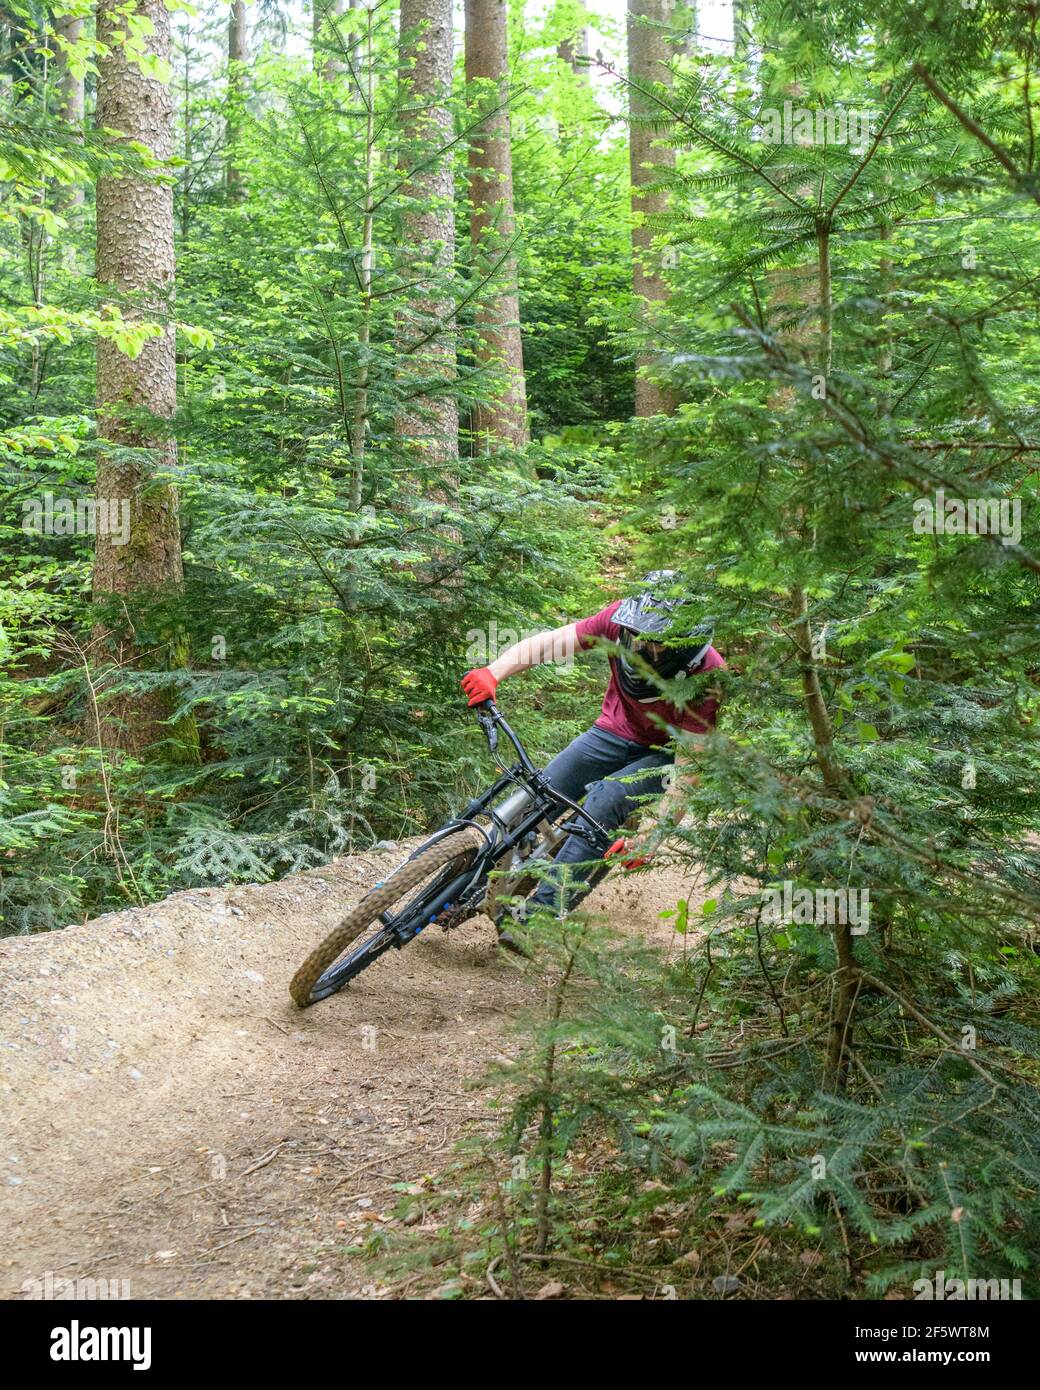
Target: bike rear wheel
{"x":330,"y":966}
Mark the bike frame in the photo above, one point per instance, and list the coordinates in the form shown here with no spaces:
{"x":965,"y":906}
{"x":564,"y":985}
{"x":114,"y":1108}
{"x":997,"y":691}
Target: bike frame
{"x":503,"y":826}
{"x":466,"y":892}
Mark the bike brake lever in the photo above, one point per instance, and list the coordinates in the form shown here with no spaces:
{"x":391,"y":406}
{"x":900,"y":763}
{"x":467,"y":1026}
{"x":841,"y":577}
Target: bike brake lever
{"x":486,"y":713}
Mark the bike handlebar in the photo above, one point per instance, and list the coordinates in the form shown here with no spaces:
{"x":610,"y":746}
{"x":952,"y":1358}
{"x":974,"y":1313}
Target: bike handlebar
{"x":491,"y":721}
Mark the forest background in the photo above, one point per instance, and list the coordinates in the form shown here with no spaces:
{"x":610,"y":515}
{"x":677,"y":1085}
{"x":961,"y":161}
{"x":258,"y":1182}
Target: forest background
{"x":335,"y":347}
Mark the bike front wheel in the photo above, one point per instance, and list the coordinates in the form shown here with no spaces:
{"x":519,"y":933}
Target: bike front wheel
{"x":331,"y":965}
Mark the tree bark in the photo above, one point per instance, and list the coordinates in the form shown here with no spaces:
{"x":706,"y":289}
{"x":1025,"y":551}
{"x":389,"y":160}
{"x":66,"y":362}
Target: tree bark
{"x":428,"y":417}
{"x":839,"y":1038}
{"x":824,"y":282}
{"x":137,"y":397}
{"x":571,"y":49}
{"x":71,"y":107}
{"x":648,"y":56}
{"x":71,"y":83}
{"x":324,"y":14}
{"x":503,"y":420}
{"x":238,"y":56}
{"x":361,"y":407}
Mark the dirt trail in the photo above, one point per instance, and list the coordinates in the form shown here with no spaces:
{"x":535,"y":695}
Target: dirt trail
{"x":168,"y":1117}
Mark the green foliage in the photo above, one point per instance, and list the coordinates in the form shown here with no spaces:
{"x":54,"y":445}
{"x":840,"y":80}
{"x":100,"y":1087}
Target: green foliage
{"x":319,"y":645}
{"x":851,"y":331}
{"x":876,"y":1092}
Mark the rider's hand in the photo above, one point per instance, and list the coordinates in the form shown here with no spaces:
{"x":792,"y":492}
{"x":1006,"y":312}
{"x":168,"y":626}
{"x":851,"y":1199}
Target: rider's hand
{"x":479,"y":684}
{"x":633,"y":859}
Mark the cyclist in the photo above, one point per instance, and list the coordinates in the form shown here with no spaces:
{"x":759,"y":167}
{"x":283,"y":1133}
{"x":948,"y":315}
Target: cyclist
{"x":627,"y":757}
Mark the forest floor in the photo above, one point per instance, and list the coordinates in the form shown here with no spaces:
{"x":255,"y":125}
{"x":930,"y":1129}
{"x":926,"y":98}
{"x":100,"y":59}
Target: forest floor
{"x":170,"y":1119}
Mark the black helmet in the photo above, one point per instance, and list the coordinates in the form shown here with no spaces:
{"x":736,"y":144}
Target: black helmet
{"x":654,"y":615}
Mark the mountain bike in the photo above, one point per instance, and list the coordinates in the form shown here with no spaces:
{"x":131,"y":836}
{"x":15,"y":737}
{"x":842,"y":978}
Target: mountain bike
{"x":484,"y":860}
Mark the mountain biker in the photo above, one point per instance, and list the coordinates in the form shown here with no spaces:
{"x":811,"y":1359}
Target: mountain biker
{"x":627,"y":756}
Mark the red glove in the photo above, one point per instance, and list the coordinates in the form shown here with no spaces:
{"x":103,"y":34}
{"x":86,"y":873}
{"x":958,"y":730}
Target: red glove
{"x":480,"y":685}
{"x":636,"y":861}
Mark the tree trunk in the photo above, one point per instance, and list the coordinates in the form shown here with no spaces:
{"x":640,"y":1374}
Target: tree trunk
{"x":689,"y":23}
{"x":71,"y":83}
{"x":324,"y":14}
{"x":428,"y":416}
{"x":187,"y":117}
{"x":839,"y":1038}
{"x":137,"y":397}
{"x":823,"y":257}
{"x":361,"y":407}
{"x":648,"y":56}
{"x":742,"y":30}
{"x":238,"y":56}
{"x":72,"y":110}
{"x":799,"y":297}
{"x":571,"y":49}
{"x":503,"y":420}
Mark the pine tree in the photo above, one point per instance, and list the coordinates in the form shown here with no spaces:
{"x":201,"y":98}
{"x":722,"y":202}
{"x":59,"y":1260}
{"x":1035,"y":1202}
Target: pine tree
{"x":238,"y":56}
{"x":137,"y":395}
{"x":649,"y":62}
{"x":499,"y":348}
{"x":427,"y":330}
{"x":867,"y":1087}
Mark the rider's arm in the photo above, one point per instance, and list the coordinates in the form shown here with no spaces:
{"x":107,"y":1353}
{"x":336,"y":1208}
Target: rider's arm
{"x":555,"y":645}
